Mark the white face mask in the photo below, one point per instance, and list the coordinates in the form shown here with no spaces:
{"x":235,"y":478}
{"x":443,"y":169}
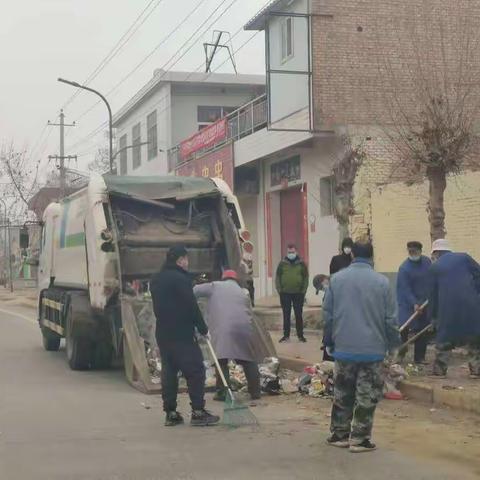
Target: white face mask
{"x":291,"y":256}
{"x":347,"y":250}
{"x":415,"y":258}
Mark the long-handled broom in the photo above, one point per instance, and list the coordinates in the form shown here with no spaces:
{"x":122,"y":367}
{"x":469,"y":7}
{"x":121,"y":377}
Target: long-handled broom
{"x":235,"y":413}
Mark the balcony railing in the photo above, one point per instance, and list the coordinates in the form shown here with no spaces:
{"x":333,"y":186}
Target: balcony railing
{"x":242,"y":122}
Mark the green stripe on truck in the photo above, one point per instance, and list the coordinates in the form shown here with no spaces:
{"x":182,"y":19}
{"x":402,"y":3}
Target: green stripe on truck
{"x":75,"y":240}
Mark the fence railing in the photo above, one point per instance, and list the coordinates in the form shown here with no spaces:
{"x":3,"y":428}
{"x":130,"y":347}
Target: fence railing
{"x":242,"y":122}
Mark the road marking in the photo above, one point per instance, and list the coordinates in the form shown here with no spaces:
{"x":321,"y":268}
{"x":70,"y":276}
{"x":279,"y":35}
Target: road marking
{"x":19,"y":315}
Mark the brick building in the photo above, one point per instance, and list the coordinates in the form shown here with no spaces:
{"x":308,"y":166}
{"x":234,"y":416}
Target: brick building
{"x":346,"y":68}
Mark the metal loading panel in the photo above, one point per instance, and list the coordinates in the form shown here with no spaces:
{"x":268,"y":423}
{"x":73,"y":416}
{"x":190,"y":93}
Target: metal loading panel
{"x":161,"y":187}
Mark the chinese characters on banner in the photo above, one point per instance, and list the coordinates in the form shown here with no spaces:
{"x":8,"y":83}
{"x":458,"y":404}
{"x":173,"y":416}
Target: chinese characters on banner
{"x":207,"y":137}
{"x":218,"y":163}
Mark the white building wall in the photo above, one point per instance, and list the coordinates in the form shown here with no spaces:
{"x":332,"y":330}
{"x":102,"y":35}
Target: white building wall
{"x":323,"y":239}
{"x":283,"y":104}
{"x":185,"y":104}
{"x":159,"y":101}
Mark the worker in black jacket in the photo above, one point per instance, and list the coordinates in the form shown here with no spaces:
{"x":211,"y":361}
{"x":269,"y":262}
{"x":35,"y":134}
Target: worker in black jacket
{"x":339,"y":262}
{"x":178,"y":315}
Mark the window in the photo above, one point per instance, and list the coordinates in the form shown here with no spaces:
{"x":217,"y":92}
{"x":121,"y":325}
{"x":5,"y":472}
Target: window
{"x":287,"y":39}
{"x":136,"y":150}
{"x":327,"y":193}
{"x":123,"y":154}
{"x":207,"y":115}
{"x":152,"y":135}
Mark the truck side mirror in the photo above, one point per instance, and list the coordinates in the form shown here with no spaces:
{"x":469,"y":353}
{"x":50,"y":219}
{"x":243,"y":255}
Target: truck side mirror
{"x":24,"y":238}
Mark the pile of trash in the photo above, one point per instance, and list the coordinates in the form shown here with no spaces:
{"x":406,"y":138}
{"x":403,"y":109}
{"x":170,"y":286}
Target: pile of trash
{"x":394,"y":374}
{"x":317,"y":380}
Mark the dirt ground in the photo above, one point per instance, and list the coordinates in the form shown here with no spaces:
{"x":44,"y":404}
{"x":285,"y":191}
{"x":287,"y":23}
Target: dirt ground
{"x":441,"y":436}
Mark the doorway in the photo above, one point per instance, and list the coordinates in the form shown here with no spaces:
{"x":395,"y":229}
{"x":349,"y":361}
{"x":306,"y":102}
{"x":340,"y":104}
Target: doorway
{"x":293,"y":223}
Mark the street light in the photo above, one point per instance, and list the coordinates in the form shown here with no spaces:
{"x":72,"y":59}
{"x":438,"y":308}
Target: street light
{"x":110,"y":120}
{"x":127,"y":147}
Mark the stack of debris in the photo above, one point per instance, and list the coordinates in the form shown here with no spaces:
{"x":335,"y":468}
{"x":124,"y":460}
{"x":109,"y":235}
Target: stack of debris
{"x":317,"y":380}
{"x":394,"y":374}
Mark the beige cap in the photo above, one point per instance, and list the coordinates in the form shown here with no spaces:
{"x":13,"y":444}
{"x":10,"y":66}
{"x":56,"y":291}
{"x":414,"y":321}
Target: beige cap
{"x":441,"y":245}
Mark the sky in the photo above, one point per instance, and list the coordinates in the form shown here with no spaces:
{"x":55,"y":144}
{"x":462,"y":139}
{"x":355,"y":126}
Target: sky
{"x":41,"y":40}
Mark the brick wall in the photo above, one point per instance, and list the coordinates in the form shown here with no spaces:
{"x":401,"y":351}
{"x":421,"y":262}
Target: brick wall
{"x":370,"y":53}
{"x":399,"y":215}
{"x":369,"y":57}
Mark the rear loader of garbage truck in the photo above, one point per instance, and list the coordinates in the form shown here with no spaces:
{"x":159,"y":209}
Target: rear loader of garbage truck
{"x":102,"y":244}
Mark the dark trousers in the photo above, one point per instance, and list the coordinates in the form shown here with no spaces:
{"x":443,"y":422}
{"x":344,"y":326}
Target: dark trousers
{"x":287,"y":300}
{"x":187,"y":358}
{"x":420,"y":345}
{"x":251,"y":373}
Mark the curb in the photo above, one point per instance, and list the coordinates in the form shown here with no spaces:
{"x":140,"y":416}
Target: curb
{"x":419,"y":392}
{"x":456,"y":399}
{"x":295,"y":364}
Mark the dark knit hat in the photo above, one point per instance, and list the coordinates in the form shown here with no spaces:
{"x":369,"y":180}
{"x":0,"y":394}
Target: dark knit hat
{"x":415,"y":245}
{"x":175,"y":252}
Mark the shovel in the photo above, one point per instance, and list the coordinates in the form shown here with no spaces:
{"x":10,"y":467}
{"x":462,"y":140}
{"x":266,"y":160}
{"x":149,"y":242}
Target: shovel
{"x":413,"y":317}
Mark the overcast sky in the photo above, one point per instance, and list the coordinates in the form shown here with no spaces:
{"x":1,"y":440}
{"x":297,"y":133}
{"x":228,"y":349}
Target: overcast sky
{"x":41,"y":40}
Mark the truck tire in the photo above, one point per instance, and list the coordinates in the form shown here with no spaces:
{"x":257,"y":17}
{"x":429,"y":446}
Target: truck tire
{"x":102,"y":356}
{"x":51,"y":341}
{"x":79,"y":349}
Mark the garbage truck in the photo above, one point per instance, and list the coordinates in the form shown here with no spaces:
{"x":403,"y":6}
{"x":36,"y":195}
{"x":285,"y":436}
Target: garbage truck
{"x":101,"y":245}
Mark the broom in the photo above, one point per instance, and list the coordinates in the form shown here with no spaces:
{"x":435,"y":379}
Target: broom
{"x":235,"y":414}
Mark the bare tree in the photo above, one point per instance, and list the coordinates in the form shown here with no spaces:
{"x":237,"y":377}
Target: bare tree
{"x":101,"y":163}
{"x":22,"y":177}
{"x":348,"y":157}
{"x":432,"y":96}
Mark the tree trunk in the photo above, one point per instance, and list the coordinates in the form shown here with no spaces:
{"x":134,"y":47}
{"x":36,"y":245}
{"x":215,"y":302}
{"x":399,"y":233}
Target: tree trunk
{"x":437,"y":179}
{"x":343,"y":210}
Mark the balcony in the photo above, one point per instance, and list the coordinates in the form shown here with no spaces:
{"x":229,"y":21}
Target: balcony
{"x":244,"y":121}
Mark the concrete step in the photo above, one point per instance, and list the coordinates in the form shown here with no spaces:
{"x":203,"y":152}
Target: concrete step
{"x":272,"y":317}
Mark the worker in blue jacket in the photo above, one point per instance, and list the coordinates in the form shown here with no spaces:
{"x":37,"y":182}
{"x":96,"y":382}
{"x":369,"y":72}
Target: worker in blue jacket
{"x":412,"y":291}
{"x":454,"y":306}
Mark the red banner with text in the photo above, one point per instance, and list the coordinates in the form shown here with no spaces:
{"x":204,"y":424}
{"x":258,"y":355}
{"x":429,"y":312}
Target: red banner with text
{"x":218,"y":163}
{"x":205,"y":138}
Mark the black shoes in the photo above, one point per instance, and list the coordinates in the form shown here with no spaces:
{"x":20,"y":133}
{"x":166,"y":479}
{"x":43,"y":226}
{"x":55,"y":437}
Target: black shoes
{"x":173,"y":418}
{"x":284,"y":339}
{"x":344,"y":442}
{"x":203,"y":418}
{"x":365,"y":446}
{"x":302,"y":339}
{"x":335,"y":441}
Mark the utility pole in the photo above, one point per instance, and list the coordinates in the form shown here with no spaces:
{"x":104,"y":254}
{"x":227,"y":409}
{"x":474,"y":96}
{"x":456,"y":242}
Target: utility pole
{"x":62,"y":157}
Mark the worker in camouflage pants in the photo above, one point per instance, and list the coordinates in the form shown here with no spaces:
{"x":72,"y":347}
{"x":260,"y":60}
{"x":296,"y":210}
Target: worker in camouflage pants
{"x":443,"y":354}
{"x":359,"y":315}
{"x":359,"y":388}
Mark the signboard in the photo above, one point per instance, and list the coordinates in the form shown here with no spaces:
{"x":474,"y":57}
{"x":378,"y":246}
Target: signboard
{"x":218,"y":163}
{"x":205,"y":138}
{"x":285,"y":171}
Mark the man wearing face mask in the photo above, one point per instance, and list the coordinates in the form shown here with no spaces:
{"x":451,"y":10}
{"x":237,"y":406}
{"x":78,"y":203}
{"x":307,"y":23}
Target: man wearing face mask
{"x":412,"y":291}
{"x":292,"y":283}
{"x":178,"y":316}
{"x":339,"y":262}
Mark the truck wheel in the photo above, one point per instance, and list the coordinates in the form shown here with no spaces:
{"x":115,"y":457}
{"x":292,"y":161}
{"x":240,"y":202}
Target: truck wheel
{"x":51,"y":341}
{"x":102,"y":357}
{"x":79,"y":349}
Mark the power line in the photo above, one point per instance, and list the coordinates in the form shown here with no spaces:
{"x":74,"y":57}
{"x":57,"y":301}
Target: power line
{"x":174,"y":55}
{"x":207,"y":75}
{"x":117,"y":47}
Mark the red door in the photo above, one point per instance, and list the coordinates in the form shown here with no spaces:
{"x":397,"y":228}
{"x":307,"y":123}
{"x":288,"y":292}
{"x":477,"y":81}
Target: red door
{"x":293,"y":220}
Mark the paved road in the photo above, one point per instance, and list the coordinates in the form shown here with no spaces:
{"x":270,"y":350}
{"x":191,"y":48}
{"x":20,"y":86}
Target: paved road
{"x":58,"y":424}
